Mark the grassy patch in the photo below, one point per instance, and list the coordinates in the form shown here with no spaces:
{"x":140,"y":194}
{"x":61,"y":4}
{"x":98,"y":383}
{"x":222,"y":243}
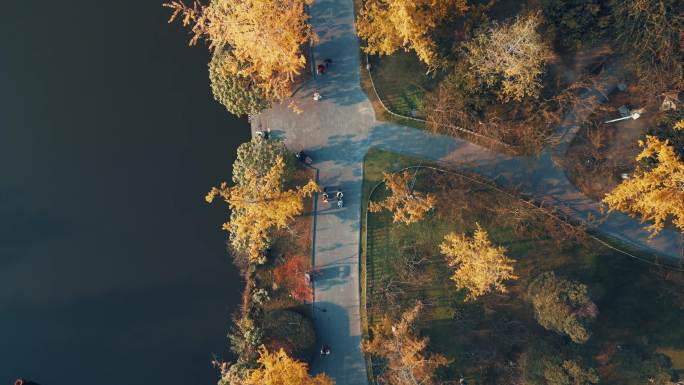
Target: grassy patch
{"x":640,"y":307}
{"x":401,"y":82}
{"x":377,"y":162}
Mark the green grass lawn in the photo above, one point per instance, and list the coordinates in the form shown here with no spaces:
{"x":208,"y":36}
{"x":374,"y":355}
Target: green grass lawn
{"x":641,"y":309}
{"x":401,"y":82}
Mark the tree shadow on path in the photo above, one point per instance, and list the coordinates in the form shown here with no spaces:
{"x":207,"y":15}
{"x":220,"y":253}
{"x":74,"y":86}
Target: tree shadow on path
{"x":344,"y":364}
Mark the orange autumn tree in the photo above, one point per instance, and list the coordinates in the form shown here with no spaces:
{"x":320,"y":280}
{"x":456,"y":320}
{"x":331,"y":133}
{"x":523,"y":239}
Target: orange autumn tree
{"x":258,"y":206}
{"x":407,"y":361}
{"x":478,"y":265}
{"x":388,"y":25}
{"x":262,"y":39}
{"x":279,"y":369}
{"x":654,"y":193}
{"x":292,"y":275}
{"x":409,"y":206}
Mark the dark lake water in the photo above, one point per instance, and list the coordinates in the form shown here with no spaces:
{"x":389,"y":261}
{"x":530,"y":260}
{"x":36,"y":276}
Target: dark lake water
{"x":113,"y":269}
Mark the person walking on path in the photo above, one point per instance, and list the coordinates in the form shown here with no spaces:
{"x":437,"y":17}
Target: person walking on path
{"x":320,"y":69}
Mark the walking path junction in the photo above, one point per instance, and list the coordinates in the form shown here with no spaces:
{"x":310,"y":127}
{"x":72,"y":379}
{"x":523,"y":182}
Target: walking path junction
{"x":338,"y":130}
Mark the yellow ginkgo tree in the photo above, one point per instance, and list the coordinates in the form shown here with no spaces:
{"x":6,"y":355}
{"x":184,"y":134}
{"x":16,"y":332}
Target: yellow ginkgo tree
{"x":655,"y":193}
{"x":261,"y":40}
{"x":510,"y":58}
{"x":388,"y":25}
{"x":478,"y":265}
{"x":259,"y":205}
{"x":408,"y":363}
{"x":408,"y":205}
{"x":278,"y":368}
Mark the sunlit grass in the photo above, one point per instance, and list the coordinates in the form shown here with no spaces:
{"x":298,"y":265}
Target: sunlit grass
{"x":637,"y":308}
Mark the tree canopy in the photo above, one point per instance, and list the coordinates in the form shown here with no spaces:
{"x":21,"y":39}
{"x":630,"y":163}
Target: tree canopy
{"x":575,"y":20}
{"x":261,"y":39}
{"x":651,"y":31}
{"x":570,"y":373}
{"x":407,"y":361}
{"x":292,"y":276}
{"x":551,"y":363}
{"x":510,"y":58}
{"x":562,"y":306}
{"x":258,"y":206}
{"x":239,"y":94}
{"x":478,"y":265}
{"x":259,"y":155}
{"x":408,"y":205}
{"x":655,"y":192}
{"x":278,"y":368}
{"x":290,"y":331}
{"x":636,"y":368}
{"x":388,"y":25}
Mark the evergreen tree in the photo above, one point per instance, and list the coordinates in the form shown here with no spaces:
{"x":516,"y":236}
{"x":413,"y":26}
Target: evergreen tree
{"x":562,"y":306}
{"x":239,"y":94}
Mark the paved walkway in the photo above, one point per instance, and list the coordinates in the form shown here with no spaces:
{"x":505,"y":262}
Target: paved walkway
{"x":338,"y":131}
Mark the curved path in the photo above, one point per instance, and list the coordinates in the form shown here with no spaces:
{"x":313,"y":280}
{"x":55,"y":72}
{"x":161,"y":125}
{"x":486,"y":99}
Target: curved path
{"x":338,"y":131}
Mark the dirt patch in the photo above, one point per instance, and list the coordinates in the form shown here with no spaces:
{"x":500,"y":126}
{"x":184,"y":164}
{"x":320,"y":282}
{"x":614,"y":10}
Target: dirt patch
{"x":602,"y":152}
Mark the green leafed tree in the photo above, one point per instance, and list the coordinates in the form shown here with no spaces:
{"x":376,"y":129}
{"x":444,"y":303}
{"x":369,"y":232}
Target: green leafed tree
{"x":569,"y":372}
{"x":239,"y":94}
{"x":562,"y":306}
{"x":259,"y":155}
{"x":547,"y":363}
{"x":574,"y":20}
{"x":290,"y":331}
{"x":635,"y":368}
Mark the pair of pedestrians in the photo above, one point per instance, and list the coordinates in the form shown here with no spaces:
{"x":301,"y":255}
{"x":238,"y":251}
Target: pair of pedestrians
{"x":325,"y":350}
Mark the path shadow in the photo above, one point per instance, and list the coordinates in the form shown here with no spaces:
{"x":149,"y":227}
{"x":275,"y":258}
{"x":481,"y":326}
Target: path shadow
{"x":332,"y":247}
{"x":345,"y":150}
{"x":330,"y":276}
{"x":345,"y":364}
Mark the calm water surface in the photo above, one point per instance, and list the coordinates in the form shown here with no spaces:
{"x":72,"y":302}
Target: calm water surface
{"x":112,"y":267}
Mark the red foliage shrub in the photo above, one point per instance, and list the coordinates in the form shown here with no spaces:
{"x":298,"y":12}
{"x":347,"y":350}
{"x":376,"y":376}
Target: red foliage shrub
{"x":293,"y":276}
